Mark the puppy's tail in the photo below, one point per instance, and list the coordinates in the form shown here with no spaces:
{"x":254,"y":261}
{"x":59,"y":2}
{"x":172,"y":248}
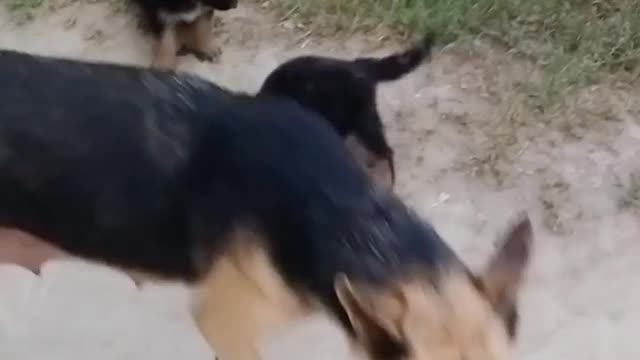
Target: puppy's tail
{"x":395,"y":66}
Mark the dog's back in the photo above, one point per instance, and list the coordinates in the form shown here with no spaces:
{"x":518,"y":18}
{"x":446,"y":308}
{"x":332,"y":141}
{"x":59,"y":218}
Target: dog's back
{"x":93,"y":162}
{"x":106,"y":160}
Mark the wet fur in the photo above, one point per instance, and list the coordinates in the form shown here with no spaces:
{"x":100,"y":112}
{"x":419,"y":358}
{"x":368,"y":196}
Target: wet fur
{"x":180,"y":27}
{"x":253,"y":200}
{"x":344,"y":92}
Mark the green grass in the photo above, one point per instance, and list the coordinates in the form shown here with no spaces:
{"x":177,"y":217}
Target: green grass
{"x":24,"y":9}
{"x":576,"y":41}
{"x":24,"y":4}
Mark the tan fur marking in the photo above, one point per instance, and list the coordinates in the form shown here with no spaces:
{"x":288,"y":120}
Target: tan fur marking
{"x":242,"y":300}
{"x":197,"y":36}
{"x":453,"y":322}
{"x":165,"y":49}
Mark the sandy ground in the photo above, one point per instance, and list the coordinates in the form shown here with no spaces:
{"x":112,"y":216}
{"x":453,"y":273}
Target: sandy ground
{"x":470,"y":156}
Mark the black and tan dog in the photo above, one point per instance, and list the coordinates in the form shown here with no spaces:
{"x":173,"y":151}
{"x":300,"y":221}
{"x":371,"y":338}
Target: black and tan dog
{"x":344,"y":93}
{"x":251,"y":199}
{"x":181,"y":26}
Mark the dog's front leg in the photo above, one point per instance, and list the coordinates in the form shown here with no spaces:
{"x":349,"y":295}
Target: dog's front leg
{"x":166,"y":49}
{"x":241,"y":302}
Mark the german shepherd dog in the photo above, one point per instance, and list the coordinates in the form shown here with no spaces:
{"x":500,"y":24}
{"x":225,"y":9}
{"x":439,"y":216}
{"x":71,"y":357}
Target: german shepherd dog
{"x":344,"y":93}
{"x":252,"y":200}
{"x":351,"y":89}
{"x":180,"y":27}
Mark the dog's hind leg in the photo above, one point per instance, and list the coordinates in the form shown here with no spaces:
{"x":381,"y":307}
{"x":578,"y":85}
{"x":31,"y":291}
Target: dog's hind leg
{"x":242,"y":301}
{"x":166,"y":49}
{"x":196,"y":38}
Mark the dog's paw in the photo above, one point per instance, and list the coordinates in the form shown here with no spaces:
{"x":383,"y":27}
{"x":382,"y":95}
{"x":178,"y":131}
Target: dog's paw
{"x":210,"y":53}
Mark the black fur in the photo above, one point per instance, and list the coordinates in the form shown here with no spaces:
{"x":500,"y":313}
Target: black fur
{"x":152,"y":9}
{"x":150,"y":170}
{"x":344,"y":91}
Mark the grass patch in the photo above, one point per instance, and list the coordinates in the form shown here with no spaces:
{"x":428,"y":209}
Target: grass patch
{"x":24,"y":10}
{"x":575,"y":41}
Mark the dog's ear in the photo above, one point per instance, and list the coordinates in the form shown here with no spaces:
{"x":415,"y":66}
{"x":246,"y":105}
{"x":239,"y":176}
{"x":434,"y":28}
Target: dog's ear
{"x":376,"y":315}
{"x":504,"y":274}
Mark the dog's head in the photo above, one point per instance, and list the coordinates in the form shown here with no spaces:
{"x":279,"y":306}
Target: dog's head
{"x":221,"y":4}
{"x":456,"y":316}
{"x":346,"y":98}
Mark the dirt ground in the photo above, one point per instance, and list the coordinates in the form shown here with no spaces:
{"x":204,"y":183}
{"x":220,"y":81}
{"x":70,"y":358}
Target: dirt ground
{"x":470,"y":155}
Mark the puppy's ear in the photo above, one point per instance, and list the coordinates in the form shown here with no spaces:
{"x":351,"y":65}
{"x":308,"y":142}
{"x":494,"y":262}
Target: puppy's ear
{"x":376,"y":316}
{"x":504,"y":274}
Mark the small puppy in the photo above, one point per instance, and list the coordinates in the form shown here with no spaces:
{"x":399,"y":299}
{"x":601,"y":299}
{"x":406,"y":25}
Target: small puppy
{"x":344,"y":93}
{"x":180,"y":27}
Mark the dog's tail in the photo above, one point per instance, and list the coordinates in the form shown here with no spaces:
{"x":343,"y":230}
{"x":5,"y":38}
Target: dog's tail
{"x":395,"y":66}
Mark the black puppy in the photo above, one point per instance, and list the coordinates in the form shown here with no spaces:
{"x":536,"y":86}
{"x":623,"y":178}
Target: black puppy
{"x":344,"y":93}
{"x":252,"y":200}
{"x":181,"y":26}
